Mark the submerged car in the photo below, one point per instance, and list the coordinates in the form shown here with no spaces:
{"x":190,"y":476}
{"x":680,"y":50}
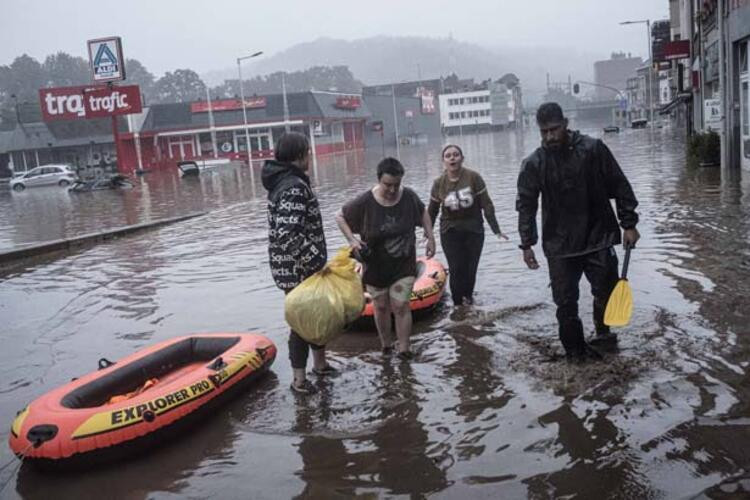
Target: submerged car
{"x":46,"y":175}
{"x":115,"y":181}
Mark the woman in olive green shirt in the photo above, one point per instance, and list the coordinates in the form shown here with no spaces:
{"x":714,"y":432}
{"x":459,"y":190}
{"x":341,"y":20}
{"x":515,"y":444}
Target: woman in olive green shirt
{"x":462,"y":195}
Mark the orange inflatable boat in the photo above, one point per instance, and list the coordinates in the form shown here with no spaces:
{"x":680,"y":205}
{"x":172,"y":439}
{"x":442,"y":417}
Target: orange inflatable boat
{"x":138,"y":401}
{"x":428,"y":289}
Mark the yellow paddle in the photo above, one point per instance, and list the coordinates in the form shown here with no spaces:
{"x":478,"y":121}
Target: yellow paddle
{"x":620,"y":303}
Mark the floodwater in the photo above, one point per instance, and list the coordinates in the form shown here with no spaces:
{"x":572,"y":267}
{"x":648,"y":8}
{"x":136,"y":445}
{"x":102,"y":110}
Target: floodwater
{"x":487,"y":409}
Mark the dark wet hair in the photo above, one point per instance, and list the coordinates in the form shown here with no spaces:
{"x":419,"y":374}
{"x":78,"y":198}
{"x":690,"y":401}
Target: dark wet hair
{"x":448,"y":146}
{"x":390,"y":166}
{"x":549,"y":112}
{"x":290,"y":147}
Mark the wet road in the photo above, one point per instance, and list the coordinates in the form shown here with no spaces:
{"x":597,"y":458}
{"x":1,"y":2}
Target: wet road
{"x":483,"y":412}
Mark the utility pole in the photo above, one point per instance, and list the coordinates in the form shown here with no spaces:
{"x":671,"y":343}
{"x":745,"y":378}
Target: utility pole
{"x":286,"y":105}
{"x":395,"y":120}
{"x":722,"y":86}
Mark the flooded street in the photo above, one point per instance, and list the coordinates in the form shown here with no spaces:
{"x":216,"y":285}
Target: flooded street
{"x":487,"y":409}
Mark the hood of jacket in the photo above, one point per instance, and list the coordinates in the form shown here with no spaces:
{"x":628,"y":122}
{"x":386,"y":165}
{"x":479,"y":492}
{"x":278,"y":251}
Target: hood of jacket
{"x":275,"y":174}
{"x":573,"y":140}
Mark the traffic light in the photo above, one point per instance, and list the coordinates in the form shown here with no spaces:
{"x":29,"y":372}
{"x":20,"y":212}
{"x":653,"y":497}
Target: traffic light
{"x":576,"y":88}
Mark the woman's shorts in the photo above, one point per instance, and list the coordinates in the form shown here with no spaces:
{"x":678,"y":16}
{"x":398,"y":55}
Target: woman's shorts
{"x":399,"y":291}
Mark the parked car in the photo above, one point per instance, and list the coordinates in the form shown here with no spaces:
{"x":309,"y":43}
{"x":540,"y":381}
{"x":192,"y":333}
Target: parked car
{"x":46,"y":175}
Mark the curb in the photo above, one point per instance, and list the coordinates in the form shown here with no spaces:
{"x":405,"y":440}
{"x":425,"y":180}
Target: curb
{"x":14,"y":256}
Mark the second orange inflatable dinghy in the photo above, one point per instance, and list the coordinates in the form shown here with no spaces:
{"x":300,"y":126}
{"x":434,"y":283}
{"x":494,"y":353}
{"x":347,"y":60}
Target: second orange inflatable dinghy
{"x":138,"y":401}
{"x":428,"y":289}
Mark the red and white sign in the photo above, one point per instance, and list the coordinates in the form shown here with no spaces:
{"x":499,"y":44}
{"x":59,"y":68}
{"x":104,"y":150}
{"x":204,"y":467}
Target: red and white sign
{"x":678,"y":49}
{"x":81,"y":103}
{"x":228,"y":104}
{"x":348,"y":102}
{"x":428,"y":100}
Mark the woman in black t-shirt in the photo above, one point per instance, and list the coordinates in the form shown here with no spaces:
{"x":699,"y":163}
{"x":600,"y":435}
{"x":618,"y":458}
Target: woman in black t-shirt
{"x":385,"y":218}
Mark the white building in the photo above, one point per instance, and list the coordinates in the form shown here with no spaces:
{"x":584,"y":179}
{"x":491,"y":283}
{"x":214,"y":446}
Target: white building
{"x":489,"y":105}
{"x":465,"y":109}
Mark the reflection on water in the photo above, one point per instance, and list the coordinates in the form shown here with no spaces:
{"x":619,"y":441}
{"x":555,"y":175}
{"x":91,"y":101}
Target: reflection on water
{"x":486,"y":410}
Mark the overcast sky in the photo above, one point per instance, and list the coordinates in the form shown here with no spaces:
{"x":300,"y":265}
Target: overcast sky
{"x":208,"y":35}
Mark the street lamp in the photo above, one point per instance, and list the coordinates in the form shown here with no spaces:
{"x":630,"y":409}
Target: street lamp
{"x":244,"y":109}
{"x":211,"y":125}
{"x":613,"y":89}
{"x":647,"y":22}
{"x":395,"y":120}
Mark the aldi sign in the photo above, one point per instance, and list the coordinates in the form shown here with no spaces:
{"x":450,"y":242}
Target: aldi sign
{"x":105,"y":57}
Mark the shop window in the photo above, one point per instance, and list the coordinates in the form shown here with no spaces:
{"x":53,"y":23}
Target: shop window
{"x":225,"y":141}
{"x":207,"y":146}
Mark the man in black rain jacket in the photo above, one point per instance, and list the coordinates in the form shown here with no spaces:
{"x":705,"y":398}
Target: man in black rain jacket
{"x":576,"y":176}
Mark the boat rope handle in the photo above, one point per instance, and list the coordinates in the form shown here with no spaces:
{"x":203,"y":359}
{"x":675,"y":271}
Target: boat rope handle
{"x":18,"y":466}
{"x":218,"y":364}
{"x":105,"y":363}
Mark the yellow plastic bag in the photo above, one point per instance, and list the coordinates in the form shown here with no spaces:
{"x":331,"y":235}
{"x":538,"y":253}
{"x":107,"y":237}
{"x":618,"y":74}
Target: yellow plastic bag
{"x":320,"y":307}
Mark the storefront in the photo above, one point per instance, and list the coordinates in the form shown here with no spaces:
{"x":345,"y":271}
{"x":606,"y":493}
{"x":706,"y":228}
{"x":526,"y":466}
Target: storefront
{"x":169,"y":133}
{"x":38,"y":143}
{"x":164,"y":134}
{"x":743,"y":49}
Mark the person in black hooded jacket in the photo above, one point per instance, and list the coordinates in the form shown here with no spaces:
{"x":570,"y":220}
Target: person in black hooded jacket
{"x":296,"y":241}
{"x":576,"y":176}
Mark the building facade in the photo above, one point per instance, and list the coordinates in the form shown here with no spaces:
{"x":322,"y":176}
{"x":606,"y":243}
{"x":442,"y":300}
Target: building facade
{"x":490,"y":105}
{"x":164,"y":134}
{"x":717,"y":78}
{"x":614,"y":72}
{"x":464,"y":111}
{"x":402,"y":118}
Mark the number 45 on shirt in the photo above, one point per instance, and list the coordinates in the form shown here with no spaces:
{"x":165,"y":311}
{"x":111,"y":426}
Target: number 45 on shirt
{"x":459,"y":199}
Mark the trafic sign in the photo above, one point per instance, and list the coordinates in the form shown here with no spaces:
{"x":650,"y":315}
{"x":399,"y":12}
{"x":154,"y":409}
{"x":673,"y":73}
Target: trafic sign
{"x":85,"y":102}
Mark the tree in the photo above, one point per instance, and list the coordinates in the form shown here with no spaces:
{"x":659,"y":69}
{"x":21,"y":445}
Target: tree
{"x":19,"y":83}
{"x":26,"y":77}
{"x":183,"y":85}
{"x":137,"y":74}
{"x":64,"y":70}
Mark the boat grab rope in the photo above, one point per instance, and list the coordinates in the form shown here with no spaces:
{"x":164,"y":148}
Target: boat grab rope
{"x":18,"y":466}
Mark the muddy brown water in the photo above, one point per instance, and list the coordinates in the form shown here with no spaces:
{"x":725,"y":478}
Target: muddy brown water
{"x":485,"y":411}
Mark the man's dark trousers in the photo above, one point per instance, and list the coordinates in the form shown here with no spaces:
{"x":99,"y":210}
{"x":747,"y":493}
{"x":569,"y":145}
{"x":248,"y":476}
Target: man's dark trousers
{"x":601,"y":270}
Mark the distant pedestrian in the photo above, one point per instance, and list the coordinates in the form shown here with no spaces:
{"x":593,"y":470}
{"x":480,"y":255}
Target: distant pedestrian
{"x":385,"y":217}
{"x":297,"y":245}
{"x":462,"y":195}
{"x":577,"y":176}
